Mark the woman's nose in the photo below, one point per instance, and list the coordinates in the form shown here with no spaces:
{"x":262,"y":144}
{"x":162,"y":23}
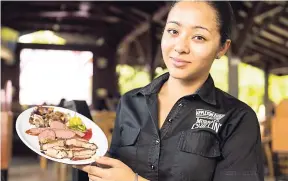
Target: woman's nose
{"x":182,"y":46}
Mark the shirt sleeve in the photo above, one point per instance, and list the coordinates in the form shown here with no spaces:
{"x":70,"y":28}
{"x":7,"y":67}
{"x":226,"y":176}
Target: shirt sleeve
{"x":242,"y":153}
{"x":115,"y":142}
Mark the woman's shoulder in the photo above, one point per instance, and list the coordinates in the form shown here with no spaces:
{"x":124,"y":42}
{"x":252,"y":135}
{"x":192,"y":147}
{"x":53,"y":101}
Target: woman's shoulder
{"x":229,"y":102}
{"x":132,"y":92}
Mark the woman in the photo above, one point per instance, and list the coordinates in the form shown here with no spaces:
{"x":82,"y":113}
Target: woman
{"x":180,"y":127}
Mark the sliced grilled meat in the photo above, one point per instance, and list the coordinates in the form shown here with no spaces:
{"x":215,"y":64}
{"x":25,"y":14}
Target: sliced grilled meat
{"x":78,"y":133}
{"x":80,"y":143}
{"x":64,"y":133}
{"x":82,"y":157}
{"x":57,"y":125}
{"x":47,"y":135}
{"x":56,"y":153}
{"x":69,"y":148}
{"x":84,"y":152}
{"x":37,"y":120}
{"x":35,"y":131}
{"x":52,"y":144}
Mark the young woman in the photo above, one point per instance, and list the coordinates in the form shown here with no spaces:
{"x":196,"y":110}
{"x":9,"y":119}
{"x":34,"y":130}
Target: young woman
{"x":180,"y":127}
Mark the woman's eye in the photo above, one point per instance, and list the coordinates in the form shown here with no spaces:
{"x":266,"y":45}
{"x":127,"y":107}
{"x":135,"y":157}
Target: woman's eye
{"x":199,"y":38}
{"x":172,"y":32}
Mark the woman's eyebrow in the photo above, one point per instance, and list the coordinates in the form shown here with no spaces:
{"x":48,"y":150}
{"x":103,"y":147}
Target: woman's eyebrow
{"x":193,"y":27}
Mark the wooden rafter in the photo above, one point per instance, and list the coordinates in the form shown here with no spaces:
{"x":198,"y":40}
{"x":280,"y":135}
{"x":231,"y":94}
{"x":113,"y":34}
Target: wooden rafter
{"x":144,"y":27}
{"x":268,"y":52}
{"x":268,"y":44}
{"x":242,"y":39}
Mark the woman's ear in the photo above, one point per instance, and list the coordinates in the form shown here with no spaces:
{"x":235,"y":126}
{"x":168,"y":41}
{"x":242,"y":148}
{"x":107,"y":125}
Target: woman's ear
{"x":223,"y":49}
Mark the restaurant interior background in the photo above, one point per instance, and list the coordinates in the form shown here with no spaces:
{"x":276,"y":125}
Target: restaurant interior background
{"x":91,"y":53}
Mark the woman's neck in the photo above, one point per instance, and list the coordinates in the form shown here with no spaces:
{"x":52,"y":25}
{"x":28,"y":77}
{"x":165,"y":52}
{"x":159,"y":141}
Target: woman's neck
{"x":178,"y":88}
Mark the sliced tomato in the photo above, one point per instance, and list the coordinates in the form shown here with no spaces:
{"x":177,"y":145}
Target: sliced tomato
{"x":88,"y":134}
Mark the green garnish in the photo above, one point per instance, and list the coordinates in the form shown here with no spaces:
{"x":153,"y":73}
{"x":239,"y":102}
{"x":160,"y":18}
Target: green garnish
{"x":75,"y":123}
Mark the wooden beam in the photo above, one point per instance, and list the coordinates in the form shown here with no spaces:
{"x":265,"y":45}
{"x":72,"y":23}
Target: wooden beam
{"x":144,"y":27}
{"x":55,"y":27}
{"x":261,"y":31}
{"x":275,"y":18}
{"x":140,"y":13}
{"x":279,"y":30}
{"x":272,"y":46}
{"x":63,"y":15}
{"x":268,"y":52}
{"x":270,"y":13}
{"x":242,"y":39}
{"x":283,"y":20}
{"x":271,"y":36}
{"x":279,"y":69}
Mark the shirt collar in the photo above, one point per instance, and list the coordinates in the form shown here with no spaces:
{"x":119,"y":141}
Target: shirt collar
{"x":206,"y":91}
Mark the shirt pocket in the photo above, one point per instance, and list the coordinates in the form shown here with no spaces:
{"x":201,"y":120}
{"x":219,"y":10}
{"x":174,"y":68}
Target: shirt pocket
{"x":197,"y":156}
{"x":202,"y":143}
{"x":129,"y":135}
{"x":128,"y":145}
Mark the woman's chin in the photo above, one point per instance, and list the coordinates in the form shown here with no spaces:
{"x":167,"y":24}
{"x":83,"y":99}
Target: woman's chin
{"x":179,"y":74}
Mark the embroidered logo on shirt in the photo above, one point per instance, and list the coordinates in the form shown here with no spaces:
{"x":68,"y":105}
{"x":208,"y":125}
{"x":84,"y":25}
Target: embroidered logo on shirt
{"x":207,"y":119}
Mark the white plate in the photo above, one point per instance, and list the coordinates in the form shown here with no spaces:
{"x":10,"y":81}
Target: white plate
{"x":98,"y":136}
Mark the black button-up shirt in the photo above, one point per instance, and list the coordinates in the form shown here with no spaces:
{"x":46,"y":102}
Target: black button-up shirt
{"x":207,"y":136}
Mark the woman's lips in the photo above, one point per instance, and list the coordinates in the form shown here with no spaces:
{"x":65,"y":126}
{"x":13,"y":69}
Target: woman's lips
{"x":179,"y":62}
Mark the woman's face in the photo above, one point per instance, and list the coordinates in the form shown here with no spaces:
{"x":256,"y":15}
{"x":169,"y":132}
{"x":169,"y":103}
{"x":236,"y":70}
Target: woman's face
{"x":191,"y":40}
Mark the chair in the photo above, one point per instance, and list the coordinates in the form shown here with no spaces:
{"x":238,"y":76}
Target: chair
{"x":279,"y":135}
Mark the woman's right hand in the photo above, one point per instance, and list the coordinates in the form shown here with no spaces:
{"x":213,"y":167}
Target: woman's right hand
{"x":118,"y":171}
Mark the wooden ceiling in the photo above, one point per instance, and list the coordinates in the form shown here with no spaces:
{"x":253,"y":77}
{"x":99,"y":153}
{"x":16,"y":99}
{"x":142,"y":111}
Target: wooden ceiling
{"x":260,"y":37}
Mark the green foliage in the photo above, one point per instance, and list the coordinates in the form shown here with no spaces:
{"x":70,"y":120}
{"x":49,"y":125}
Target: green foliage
{"x":251,"y":81}
{"x":8,"y":34}
{"x":42,"y":37}
{"x":278,"y":88}
{"x":219,"y":73}
{"x":131,"y":77}
{"x":251,"y":85}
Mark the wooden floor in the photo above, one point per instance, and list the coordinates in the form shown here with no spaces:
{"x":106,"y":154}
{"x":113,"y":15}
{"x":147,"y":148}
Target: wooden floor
{"x":28,"y":169}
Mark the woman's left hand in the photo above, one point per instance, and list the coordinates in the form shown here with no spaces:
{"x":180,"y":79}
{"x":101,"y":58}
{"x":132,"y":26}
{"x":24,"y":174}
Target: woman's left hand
{"x":118,"y":171}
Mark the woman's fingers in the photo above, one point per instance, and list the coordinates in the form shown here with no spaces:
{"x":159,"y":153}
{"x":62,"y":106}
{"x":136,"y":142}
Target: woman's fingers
{"x":95,"y":178}
{"x":93,"y":170}
{"x":109,"y":161}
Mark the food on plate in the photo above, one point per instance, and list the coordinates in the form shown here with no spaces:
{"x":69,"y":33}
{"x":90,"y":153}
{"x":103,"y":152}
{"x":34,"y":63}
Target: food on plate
{"x":60,"y":135}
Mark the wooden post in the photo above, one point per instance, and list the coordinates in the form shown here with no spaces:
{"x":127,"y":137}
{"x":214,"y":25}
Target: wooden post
{"x":104,"y":76}
{"x":153,"y":48}
{"x":233,"y":75}
{"x":266,"y":93}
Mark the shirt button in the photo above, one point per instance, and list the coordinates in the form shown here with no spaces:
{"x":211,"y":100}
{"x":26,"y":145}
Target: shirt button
{"x":157,"y":141}
{"x":152,"y":167}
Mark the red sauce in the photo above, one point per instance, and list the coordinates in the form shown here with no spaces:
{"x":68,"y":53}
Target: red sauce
{"x":31,"y":133}
{"x":88,"y":134}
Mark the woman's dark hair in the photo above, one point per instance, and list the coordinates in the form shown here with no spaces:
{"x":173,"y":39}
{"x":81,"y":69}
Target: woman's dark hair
{"x":225,"y":17}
